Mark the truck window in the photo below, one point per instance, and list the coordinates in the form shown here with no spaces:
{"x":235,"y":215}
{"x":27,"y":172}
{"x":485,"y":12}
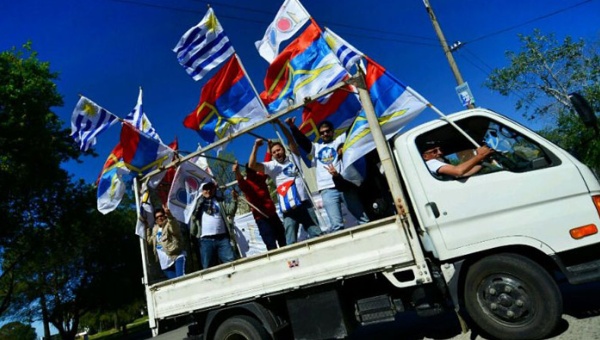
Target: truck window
{"x":514,"y":151}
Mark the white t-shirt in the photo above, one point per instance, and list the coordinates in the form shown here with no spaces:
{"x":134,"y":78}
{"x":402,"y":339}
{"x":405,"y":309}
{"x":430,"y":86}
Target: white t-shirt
{"x":164,"y":259}
{"x":434,"y":165}
{"x":325,"y":154}
{"x":212,"y":221}
{"x":283,"y":172}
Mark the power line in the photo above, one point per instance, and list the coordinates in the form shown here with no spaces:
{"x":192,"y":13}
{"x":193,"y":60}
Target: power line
{"x":328,"y":23}
{"x":528,"y":22}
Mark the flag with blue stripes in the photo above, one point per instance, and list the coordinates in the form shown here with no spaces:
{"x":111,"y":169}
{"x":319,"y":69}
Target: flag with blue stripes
{"x":137,"y":117}
{"x":203,"y":47}
{"x":88,"y":121}
{"x":346,"y":53}
{"x":303,"y":69}
{"x":395,"y":105}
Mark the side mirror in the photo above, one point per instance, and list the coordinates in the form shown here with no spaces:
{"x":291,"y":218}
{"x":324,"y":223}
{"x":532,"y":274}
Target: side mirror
{"x":584,"y":110}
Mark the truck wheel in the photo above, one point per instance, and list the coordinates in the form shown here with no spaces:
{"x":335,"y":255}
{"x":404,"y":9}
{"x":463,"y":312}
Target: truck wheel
{"x":510,"y":296}
{"x":241,"y":327}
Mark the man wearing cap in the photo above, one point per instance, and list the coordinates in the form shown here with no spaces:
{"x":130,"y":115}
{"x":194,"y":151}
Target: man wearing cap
{"x":433,"y":155}
{"x":211,"y":227}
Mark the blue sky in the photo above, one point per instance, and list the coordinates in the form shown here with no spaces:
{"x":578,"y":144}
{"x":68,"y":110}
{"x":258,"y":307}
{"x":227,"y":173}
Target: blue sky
{"x":106,"y":49}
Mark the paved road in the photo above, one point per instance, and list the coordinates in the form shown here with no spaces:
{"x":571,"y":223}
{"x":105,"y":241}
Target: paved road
{"x":580,"y":321}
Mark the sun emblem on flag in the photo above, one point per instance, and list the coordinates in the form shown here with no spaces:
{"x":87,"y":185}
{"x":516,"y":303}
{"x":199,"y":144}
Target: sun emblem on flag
{"x":89,"y":109}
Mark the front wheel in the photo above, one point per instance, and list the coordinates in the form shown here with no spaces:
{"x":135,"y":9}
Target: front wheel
{"x":511,"y":297}
{"x":241,"y":327}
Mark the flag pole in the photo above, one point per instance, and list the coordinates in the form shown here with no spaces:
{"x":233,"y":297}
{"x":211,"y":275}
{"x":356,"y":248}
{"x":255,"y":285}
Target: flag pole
{"x":246,"y":130}
{"x":442,"y":116}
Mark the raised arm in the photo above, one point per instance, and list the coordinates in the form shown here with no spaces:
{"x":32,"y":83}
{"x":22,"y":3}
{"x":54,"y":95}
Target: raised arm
{"x":288,"y":135}
{"x":303,"y":142}
{"x":252,"y":163}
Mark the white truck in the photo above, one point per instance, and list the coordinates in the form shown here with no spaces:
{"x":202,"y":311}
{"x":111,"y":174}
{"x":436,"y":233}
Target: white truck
{"x":491,"y":246}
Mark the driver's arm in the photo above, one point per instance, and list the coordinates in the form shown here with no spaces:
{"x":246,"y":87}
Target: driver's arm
{"x":468,"y":167}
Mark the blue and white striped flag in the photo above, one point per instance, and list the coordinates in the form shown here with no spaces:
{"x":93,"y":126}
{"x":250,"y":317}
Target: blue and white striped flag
{"x":346,"y":53}
{"x":137,"y":117}
{"x":88,"y":121}
{"x":203,"y":47}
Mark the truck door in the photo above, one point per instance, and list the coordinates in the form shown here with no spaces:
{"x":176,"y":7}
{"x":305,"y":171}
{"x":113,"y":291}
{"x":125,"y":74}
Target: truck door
{"x":527,"y":187}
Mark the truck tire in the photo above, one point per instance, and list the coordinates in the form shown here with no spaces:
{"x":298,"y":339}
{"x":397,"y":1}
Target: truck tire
{"x":511,"y":297}
{"x":241,"y":327}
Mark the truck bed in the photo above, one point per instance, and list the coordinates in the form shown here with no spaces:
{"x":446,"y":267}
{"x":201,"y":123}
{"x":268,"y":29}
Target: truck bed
{"x":379,"y":246}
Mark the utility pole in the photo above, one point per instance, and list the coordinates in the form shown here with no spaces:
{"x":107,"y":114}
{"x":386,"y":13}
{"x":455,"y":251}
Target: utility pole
{"x":447,"y":50}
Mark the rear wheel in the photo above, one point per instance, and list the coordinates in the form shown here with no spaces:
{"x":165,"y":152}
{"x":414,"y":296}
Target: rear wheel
{"x":241,"y":327}
{"x":510,"y":296}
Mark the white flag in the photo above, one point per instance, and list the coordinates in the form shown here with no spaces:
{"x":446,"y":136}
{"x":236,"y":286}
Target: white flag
{"x":137,"y":118}
{"x":290,"y":18}
{"x":185,"y":190}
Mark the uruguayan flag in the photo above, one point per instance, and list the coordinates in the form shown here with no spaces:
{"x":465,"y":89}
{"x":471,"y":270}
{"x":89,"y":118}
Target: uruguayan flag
{"x":88,"y":121}
{"x":203,"y":47}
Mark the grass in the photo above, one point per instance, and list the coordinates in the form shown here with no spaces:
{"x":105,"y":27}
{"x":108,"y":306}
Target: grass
{"x":138,"y":326}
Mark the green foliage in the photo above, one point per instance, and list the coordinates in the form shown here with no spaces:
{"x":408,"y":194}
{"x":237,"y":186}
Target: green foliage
{"x":542,"y":75}
{"x":17,"y":330}
{"x":59,"y":257}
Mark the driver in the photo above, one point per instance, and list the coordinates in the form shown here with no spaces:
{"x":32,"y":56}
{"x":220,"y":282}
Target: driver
{"x":433,"y":155}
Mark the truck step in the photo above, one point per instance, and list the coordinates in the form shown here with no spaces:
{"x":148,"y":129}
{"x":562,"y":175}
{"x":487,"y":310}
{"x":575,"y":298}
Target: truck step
{"x":377,"y":309}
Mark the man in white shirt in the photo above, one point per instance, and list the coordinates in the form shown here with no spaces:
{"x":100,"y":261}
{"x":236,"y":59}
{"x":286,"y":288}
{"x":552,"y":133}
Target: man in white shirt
{"x":212,"y":229}
{"x":433,"y":155}
{"x":294,"y":202}
{"x":326,"y":154}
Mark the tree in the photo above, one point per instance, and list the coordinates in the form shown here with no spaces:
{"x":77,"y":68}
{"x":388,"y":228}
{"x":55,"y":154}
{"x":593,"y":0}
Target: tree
{"x":32,"y":143}
{"x":59,"y":257}
{"x":543,"y":74}
{"x":17,"y":330}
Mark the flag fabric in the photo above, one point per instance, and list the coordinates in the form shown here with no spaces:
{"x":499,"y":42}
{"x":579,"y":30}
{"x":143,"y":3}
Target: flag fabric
{"x":186,"y":190}
{"x":137,"y":117}
{"x":162,"y":189}
{"x":112,"y":181}
{"x":203,"y":47}
{"x":88,"y":121}
{"x":142,"y":154}
{"x":145,"y":212}
{"x":304,"y":68}
{"x":346,"y":53}
{"x":227,"y":104}
{"x":340,"y":108}
{"x":394,"y":106}
{"x":290,"y":18}
{"x":288,"y":196}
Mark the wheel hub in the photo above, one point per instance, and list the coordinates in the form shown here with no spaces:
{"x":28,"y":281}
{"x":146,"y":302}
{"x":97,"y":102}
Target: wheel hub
{"x":506,"y":299}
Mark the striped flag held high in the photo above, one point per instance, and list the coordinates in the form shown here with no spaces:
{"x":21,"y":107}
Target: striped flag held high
{"x":88,"y":121}
{"x":203,"y":47}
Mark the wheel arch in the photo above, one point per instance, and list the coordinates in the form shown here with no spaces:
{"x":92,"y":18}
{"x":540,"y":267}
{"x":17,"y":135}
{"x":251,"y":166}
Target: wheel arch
{"x":457,"y":283}
{"x":270,"y":322}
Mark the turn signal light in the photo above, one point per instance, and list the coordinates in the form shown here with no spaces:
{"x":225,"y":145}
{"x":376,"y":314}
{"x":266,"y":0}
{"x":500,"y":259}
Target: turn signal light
{"x":583,"y":231}
{"x":596,"y":200}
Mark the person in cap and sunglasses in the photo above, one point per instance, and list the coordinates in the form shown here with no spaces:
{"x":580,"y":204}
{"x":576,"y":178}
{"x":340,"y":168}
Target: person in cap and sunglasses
{"x":433,"y":154}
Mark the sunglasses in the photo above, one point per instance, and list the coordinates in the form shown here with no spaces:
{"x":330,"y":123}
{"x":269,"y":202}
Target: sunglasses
{"x":159,"y":217}
{"x":322,"y":132}
{"x":434,"y":150}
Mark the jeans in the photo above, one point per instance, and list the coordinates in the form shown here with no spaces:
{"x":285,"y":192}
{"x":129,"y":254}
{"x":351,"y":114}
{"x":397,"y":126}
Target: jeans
{"x":177,"y":269}
{"x":305,"y":215}
{"x":332,"y":202}
{"x":352,"y":199}
{"x":271,"y":231}
{"x":213,"y":247}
